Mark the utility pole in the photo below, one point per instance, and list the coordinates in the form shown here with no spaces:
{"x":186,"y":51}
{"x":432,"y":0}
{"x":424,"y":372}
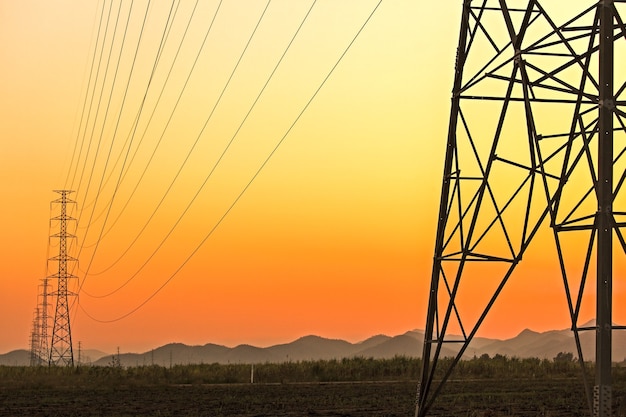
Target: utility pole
{"x":61,"y":352}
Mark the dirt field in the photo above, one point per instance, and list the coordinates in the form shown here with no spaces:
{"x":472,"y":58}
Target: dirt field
{"x":554,"y":398}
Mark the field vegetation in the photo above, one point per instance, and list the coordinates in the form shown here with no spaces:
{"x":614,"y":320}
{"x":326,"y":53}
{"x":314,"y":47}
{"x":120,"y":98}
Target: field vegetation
{"x":483,"y":386}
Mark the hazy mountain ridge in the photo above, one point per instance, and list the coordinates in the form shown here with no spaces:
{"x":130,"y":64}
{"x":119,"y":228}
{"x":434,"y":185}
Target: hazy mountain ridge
{"x":15,"y":358}
{"x":528,"y":343}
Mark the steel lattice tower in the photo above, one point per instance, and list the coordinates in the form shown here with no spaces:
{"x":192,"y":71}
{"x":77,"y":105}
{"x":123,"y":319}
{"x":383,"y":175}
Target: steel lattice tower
{"x":35,"y":345}
{"x":44,"y":320}
{"x":536,"y":146}
{"x":61,"y":352}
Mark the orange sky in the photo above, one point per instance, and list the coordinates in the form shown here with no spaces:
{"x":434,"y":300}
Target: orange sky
{"x":335,"y":235}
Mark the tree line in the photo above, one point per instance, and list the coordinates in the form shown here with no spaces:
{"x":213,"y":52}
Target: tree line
{"x":398,"y":368}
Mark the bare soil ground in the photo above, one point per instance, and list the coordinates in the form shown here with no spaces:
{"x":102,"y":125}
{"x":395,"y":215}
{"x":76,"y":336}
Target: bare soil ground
{"x":479,"y":398}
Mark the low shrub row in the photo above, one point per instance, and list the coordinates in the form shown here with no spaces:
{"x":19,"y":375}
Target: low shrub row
{"x":399,"y":368}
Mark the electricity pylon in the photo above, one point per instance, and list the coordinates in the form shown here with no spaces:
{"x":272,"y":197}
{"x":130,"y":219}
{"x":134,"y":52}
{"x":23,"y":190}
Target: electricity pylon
{"x":536,"y":146}
{"x":35,"y":345}
{"x":61,"y":352}
{"x":44,"y":320}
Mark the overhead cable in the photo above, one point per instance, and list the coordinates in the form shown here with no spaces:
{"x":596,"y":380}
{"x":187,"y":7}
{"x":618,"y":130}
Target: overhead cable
{"x":247,"y":186}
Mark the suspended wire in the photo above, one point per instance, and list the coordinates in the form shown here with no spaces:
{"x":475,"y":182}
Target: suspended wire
{"x":154,"y":111}
{"x":84,"y":105}
{"x":106,"y":114}
{"x":152,"y":115}
{"x":91,"y":101}
{"x":106,"y":73}
{"x":185,"y":163}
{"x":209,"y":175}
{"x":135,"y":125}
{"x":48,"y":246}
{"x":267,"y":159}
{"x":100,"y":100}
{"x":108,"y":109}
{"x":172,"y":113}
{"x":119,"y":116}
{"x":181,"y":41}
{"x":93,"y":61}
{"x":110,"y":205}
{"x":93,"y":95}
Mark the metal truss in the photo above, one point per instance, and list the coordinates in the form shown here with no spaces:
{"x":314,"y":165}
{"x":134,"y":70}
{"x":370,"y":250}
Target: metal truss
{"x":61,"y":352}
{"x":35,"y":345}
{"x":536,"y":141}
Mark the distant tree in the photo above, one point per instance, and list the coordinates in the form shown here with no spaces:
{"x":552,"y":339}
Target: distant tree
{"x":116,"y":361}
{"x":563,"y":357}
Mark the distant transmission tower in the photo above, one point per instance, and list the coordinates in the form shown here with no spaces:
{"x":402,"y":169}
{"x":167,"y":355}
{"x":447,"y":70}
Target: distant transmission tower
{"x":61,"y":352}
{"x":537,"y":137}
{"x":44,"y":320}
{"x":35,"y":346}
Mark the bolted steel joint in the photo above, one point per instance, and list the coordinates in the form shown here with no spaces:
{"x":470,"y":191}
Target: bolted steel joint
{"x":608,"y":103}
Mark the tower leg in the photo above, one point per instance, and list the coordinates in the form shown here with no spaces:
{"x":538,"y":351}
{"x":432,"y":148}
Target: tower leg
{"x":602,"y":389}
{"x":531,"y":95}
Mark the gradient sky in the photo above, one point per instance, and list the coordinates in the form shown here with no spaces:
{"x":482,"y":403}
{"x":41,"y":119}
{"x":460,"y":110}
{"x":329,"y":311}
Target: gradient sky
{"x":335,"y":235}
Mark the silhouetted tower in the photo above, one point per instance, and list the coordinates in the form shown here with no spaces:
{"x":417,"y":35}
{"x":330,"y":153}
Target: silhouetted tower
{"x":537,"y":134}
{"x":61,"y":352}
{"x":44,"y":320}
{"x":35,"y":352}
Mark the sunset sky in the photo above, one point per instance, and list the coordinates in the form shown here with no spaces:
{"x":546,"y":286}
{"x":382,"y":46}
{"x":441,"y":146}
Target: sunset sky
{"x":333,"y":237}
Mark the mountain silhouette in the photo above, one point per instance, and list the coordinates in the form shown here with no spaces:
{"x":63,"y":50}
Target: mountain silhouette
{"x":528,"y":343}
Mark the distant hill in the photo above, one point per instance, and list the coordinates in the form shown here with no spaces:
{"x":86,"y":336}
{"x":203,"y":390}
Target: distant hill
{"x":19,"y":357}
{"x":88,"y":356}
{"x":528,"y":343}
{"x":546,"y":345}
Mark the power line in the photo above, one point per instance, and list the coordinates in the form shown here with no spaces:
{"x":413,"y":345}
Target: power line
{"x":267,"y":159}
{"x":104,"y":79}
{"x":159,"y":51}
{"x":106,"y":114}
{"x":151,"y":117}
{"x":115,"y":132}
{"x":82,"y":115}
{"x":135,"y":124}
{"x":171,"y":115}
{"x":210,"y":172}
{"x":216,"y":104}
{"x":91,"y":101}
